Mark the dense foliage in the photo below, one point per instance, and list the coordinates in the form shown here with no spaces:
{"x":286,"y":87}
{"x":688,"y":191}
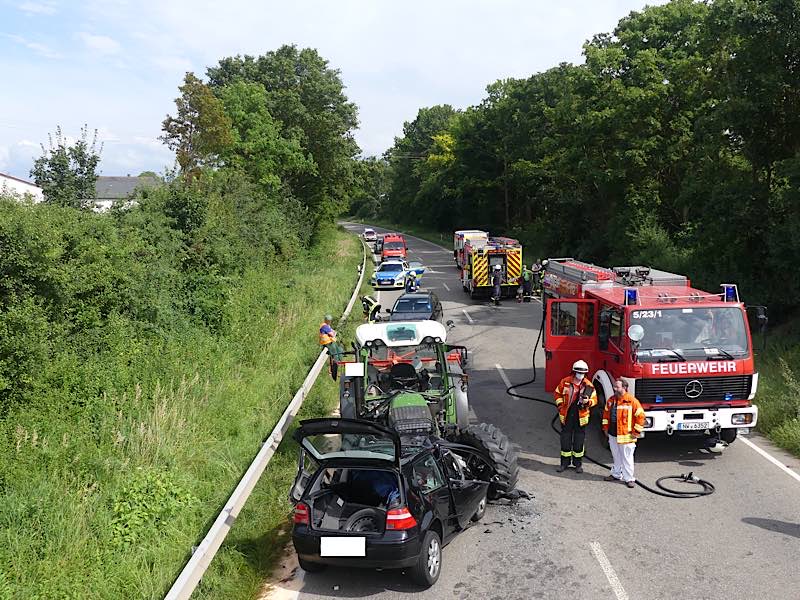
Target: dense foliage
{"x":676,"y":144}
{"x":146,"y":352}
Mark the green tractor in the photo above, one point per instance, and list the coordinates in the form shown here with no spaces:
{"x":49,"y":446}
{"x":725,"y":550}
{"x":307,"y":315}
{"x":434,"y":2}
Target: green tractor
{"x":405,"y":376}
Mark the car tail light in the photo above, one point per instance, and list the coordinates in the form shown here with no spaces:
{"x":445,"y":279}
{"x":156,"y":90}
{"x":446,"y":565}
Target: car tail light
{"x":400,"y":518}
{"x":301,"y":512}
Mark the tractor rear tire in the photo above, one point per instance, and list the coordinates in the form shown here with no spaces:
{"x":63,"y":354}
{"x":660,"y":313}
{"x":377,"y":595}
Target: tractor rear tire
{"x":496,"y":444}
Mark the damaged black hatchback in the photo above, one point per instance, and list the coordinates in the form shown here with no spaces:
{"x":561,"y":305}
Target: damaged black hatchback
{"x":363,"y":499}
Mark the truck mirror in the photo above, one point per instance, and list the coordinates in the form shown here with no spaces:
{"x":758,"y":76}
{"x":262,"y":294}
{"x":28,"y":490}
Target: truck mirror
{"x":636,"y":333}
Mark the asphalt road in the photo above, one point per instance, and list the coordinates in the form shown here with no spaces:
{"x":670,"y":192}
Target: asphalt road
{"x":582,"y":537}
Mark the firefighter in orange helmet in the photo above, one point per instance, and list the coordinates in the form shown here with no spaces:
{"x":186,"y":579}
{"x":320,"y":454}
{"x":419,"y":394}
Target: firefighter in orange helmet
{"x":575,"y":397}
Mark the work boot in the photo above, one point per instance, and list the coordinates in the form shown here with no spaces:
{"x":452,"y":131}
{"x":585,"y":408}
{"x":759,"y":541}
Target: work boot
{"x":610,"y":478}
{"x":562,"y":467}
{"x":578,"y":468}
{"x":630,"y":484}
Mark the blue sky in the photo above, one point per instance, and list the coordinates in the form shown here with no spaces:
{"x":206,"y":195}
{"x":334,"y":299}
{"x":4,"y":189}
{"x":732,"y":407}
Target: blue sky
{"x":116,"y":65}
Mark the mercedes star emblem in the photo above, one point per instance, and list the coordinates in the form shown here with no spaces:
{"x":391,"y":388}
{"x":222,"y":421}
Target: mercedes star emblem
{"x":693,"y":389}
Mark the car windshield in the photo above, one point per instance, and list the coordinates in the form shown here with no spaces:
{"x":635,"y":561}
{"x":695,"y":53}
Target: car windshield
{"x":690,"y":333}
{"x":369,"y":232}
{"x":390,"y":268}
{"x":417,"y":305}
{"x":349,"y":445}
{"x":393,"y":245}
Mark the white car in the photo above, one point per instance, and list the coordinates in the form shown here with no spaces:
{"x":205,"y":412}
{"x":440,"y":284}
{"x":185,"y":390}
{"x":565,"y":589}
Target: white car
{"x":370,"y":235}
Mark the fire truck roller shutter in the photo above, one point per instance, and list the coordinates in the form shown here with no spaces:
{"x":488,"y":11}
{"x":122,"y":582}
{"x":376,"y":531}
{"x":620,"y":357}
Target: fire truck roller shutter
{"x":513,"y":265}
{"x":480,"y":270}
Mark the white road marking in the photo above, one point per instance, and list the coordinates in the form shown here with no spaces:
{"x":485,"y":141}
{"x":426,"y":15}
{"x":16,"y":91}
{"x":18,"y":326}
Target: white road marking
{"x":503,"y":375}
{"x":771,"y":458}
{"x":611,"y":575}
{"x":466,"y":314}
{"x":447,"y":287}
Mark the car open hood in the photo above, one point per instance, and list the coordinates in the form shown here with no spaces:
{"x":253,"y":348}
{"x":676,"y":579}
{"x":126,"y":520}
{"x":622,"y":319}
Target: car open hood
{"x":333,"y":439}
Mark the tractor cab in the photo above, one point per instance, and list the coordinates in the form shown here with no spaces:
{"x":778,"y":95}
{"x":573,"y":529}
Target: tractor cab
{"x":406,"y":377}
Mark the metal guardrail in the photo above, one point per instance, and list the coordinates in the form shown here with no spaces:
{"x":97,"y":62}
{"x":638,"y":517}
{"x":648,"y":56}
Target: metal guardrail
{"x":202,"y":556}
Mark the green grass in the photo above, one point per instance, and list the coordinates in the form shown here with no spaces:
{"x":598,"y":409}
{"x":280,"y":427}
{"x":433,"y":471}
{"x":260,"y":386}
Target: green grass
{"x":106,"y":503}
{"x":778,"y":397}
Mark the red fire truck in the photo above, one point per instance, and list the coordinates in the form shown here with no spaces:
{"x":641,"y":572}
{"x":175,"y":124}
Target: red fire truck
{"x":686,"y":354}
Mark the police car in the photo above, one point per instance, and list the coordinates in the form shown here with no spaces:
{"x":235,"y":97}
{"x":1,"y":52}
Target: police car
{"x":391,"y":274}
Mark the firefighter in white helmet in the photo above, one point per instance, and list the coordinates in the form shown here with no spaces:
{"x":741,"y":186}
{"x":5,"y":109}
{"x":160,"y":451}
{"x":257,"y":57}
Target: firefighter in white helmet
{"x":575,"y":396}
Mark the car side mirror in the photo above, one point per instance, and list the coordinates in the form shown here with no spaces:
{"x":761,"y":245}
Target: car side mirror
{"x":388,"y":311}
{"x":450,"y":324}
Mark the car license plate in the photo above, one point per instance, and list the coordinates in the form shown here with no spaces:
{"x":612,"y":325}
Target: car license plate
{"x":384,"y":282}
{"x":343,"y":546}
{"x":693,"y":425}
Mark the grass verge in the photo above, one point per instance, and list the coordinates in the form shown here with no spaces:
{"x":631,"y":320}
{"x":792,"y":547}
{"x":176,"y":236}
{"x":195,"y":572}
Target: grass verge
{"x":107,"y":506}
{"x":257,"y":541}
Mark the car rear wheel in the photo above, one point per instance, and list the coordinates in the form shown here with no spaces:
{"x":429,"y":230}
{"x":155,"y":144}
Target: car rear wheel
{"x":310,"y":567}
{"x":429,"y":564}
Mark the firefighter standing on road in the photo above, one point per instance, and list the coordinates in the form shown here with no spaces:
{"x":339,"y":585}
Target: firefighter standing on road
{"x":575,"y":397}
{"x":526,"y":279}
{"x":623,"y":422}
{"x":497,"y":282}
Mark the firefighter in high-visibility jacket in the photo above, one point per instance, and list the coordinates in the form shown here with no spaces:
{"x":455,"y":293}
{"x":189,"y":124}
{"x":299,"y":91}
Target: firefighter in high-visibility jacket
{"x":575,"y":396}
{"x":623,"y":422}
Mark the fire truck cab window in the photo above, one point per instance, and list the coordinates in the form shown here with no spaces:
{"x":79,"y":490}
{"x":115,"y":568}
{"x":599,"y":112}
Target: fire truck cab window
{"x":615,"y":328}
{"x":572,"y":318}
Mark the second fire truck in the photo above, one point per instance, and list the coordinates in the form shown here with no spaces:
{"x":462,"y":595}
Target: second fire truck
{"x":686,"y":354}
{"x":480,"y":258}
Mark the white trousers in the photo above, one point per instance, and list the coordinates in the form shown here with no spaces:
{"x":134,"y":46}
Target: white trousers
{"x":623,"y":459}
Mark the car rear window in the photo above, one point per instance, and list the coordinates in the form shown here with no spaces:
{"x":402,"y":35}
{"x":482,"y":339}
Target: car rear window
{"x":420,"y":306}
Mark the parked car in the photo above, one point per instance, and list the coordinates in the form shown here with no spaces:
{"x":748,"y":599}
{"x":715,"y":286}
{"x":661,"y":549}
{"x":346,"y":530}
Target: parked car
{"x":391,"y":274}
{"x":420,"y":306}
{"x":370,"y":235}
{"x":361,"y":499}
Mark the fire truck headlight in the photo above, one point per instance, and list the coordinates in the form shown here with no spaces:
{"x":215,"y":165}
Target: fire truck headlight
{"x":648,"y":422}
{"x":741,"y":419}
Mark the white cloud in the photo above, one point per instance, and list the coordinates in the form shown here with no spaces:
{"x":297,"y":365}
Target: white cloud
{"x":38,"y":8}
{"x":99,"y":43}
{"x":42,"y":50}
{"x":17,"y":158}
{"x":173,"y":64}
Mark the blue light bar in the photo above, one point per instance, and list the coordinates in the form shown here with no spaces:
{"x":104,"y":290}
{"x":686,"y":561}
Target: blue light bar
{"x":659,"y":398}
{"x":728,"y":396}
{"x":730,"y":293}
{"x":631,"y":296}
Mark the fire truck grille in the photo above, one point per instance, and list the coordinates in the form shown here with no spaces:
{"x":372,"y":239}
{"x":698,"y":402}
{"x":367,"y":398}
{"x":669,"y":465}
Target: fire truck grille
{"x":685,"y":389}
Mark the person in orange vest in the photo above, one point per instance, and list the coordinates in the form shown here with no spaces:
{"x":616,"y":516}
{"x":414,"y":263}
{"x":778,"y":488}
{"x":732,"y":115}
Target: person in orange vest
{"x":327,"y":338}
{"x":623,"y":422}
{"x":575,"y":397}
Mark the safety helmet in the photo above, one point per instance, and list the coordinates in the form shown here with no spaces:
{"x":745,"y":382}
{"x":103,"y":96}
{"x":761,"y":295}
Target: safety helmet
{"x":328,"y":317}
{"x":497,"y":267}
{"x":580,"y":366}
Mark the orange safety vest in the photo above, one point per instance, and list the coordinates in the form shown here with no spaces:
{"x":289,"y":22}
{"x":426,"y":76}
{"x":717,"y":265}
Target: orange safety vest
{"x":324,"y":338}
{"x":566,"y":393}
{"x":630,"y":416}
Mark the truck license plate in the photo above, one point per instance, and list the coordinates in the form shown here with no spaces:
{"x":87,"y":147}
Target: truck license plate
{"x":693,"y":425}
{"x":343,"y":546}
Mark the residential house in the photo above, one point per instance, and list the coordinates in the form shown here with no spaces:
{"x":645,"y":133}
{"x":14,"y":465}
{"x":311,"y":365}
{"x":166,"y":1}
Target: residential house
{"x":116,"y":190}
{"x":13,"y":185}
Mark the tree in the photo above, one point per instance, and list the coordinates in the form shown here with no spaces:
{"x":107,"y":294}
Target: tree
{"x":307,"y":98}
{"x":67,"y":173}
{"x":201,"y":131}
